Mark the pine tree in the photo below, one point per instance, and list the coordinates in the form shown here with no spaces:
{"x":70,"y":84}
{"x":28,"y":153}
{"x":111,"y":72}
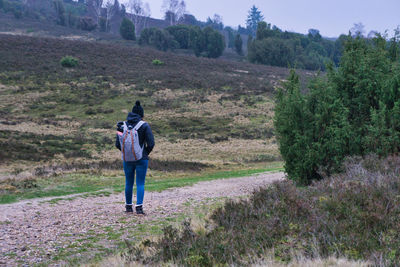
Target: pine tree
{"x":253,"y":18}
{"x":355,"y":110}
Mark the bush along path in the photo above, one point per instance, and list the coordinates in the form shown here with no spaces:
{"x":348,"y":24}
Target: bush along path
{"x":80,"y":228}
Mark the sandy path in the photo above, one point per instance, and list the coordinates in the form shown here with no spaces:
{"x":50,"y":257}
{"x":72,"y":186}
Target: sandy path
{"x":34,"y":231}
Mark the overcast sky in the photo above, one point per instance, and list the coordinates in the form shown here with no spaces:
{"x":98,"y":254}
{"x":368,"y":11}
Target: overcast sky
{"x":331,"y":17}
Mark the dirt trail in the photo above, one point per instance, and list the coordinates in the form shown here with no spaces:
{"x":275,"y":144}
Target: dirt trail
{"x":35,"y":231}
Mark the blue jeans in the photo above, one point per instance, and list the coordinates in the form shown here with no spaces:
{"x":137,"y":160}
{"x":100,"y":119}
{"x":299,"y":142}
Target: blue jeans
{"x":140,"y":167}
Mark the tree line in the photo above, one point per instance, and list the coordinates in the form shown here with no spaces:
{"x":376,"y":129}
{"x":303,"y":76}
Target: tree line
{"x":203,"y":42}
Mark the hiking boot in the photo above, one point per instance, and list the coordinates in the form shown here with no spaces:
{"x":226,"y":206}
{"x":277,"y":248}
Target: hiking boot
{"x":139,"y":210}
{"x":128,"y":208}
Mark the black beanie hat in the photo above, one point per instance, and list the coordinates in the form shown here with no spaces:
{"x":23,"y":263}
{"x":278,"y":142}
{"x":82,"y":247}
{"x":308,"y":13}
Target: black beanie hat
{"x":138,"y":109}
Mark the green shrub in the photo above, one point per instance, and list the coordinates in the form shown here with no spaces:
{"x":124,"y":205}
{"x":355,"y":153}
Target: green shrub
{"x":215,"y":42}
{"x":354,"y":111}
{"x":69,"y":62}
{"x":157,"y":62}
{"x":158,"y":38}
{"x":181,"y":34}
{"x":127,"y":29}
{"x":197,"y":40}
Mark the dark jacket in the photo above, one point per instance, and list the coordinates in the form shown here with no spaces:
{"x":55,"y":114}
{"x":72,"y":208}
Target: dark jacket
{"x":146,"y":137}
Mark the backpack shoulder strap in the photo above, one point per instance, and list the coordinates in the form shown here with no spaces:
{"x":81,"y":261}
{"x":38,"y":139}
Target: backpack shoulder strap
{"x":139,"y":124}
{"x":125,"y":126}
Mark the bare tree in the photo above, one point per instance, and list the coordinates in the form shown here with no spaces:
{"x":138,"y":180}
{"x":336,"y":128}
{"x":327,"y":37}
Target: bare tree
{"x":147,"y":14}
{"x":174,"y":10}
{"x":372,"y":34}
{"x":358,"y":30}
{"x":140,"y":13}
{"x":109,"y":13}
{"x":94,"y":9}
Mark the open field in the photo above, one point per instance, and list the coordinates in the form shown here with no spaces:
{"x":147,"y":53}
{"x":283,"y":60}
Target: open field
{"x":211,"y":119}
{"x":207,"y":115}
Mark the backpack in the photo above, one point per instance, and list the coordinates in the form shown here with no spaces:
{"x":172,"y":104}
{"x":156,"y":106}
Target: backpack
{"x":129,"y":140}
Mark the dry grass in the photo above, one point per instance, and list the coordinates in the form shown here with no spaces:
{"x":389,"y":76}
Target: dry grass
{"x":119,"y":261}
{"x":231,"y":151}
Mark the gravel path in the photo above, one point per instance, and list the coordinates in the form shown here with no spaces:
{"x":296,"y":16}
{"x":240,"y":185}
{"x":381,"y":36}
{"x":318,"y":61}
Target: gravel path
{"x":35,"y":231}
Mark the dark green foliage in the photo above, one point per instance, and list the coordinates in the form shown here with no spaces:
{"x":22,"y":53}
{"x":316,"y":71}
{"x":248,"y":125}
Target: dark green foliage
{"x":253,"y":18}
{"x":394,"y":49}
{"x":197,"y":40}
{"x":13,"y":7}
{"x":312,"y":130}
{"x":158,"y":38}
{"x":272,"y":51}
{"x":103,"y":24}
{"x":208,"y":41}
{"x":238,"y":44}
{"x":87,"y":24}
{"x":354,"y":111}
{"x":127,"y":29}
{"x":72,"y":20}
{"x":17,"y":14}
{"x":354,"y":215}
{"x":69,"y":62}
{"x":277,"y":48}
{"x":313,"y":34}
{"x":181,"y":34}
{"x":215,"y":42}
{"x":231,"y":37}
{"x":60,"y":11}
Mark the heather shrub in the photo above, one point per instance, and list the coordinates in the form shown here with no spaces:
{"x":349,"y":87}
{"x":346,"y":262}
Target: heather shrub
{"x":354,"y":110}
{"x":352,"y":215}
{"x":69,"y":62}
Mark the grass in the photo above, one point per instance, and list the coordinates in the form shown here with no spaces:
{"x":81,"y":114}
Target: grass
{"x":95,"y":185}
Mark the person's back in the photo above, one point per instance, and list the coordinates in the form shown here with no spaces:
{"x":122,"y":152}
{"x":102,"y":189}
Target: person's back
{"x":134,"y":164}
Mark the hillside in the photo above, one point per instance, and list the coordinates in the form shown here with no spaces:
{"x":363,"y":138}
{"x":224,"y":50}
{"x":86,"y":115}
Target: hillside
{"x":206,"y":114}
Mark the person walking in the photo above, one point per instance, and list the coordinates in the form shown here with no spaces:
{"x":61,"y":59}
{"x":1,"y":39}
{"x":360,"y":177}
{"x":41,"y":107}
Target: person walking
{"x":136,"y":141}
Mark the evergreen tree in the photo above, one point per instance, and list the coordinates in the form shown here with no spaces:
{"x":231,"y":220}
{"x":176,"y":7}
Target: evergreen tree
{"x":127,"y":29}
{"x":355,"y":110}
{"x":238,"y":44}
{"x":253,"y":18}
{"x":231,"y":37}
{"x":215,"y":42}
